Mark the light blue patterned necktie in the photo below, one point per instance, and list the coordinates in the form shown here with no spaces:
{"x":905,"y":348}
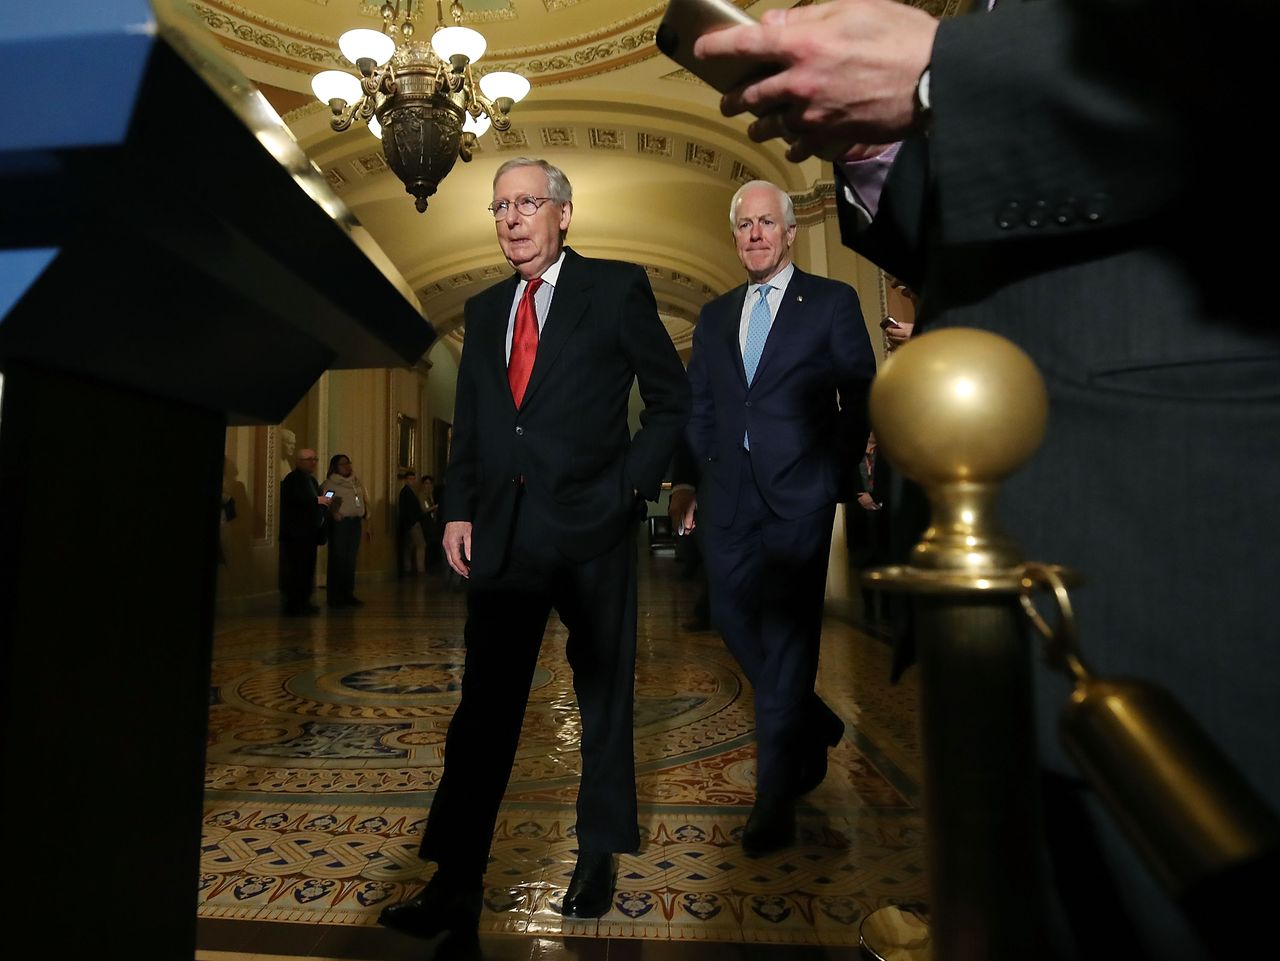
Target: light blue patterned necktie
{"x":757,"y":334}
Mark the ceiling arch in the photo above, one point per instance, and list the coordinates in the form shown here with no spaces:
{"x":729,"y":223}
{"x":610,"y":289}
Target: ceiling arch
{"x":652,"y":161}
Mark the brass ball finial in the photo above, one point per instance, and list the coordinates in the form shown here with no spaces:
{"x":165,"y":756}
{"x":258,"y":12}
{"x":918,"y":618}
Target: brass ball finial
{"x":958,"y":405}
{"x":958,"y":410}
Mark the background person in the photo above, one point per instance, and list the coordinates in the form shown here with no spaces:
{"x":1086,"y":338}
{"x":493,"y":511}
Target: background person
{"x":408,"y":524}
{"x":348,"y":526}
{"x":302,"y":514}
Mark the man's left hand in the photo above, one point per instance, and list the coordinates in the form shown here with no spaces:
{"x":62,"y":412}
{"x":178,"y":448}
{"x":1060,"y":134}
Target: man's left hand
{"x":682,"y":510}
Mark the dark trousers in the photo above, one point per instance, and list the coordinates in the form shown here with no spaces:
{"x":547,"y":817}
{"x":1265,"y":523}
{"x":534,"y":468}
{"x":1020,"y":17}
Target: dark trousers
{"x":768,"y":579}
{"x":506,"y":620}
{"x":406,"y":552}
{"x":297,"y":573}
{"x":344,"y":545}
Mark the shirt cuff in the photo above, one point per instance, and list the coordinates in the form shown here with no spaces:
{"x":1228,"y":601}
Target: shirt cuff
{"x":863,"y":180}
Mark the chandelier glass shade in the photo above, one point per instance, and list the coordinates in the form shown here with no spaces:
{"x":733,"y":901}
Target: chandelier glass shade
{"x":420,"y":98}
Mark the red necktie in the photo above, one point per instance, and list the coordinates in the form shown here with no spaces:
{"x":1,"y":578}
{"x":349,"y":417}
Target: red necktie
{"x":524,"y":343}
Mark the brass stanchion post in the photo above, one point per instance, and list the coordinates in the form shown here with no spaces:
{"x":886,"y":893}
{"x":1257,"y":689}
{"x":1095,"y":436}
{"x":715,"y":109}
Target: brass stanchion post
{"x":957,"y":411}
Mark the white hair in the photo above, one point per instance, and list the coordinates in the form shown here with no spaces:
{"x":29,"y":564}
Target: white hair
{"x":788,"y":207}
{"x":558,"y":186}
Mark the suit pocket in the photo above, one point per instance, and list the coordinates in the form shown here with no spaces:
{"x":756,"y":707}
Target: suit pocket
{"x":1221,"y":378}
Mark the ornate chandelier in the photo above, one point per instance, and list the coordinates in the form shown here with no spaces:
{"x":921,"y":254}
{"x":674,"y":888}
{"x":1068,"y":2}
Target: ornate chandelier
{"x":419,"y":98}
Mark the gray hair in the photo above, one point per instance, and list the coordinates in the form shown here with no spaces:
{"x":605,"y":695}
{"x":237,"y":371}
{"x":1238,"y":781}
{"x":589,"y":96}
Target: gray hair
{"x":788,"y":206}
{"x":558,"y":187}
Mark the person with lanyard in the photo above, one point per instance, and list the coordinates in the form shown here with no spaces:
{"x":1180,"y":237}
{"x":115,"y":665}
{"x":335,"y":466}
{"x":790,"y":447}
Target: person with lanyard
{"x":349,"y":517}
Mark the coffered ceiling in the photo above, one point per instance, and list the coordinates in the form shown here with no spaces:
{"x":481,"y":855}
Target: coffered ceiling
{"x":652,"y":162}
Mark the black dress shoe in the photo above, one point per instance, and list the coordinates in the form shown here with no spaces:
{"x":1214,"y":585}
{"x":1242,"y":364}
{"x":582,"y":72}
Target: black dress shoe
{"x":590,"y":893}
{"x":830,"y":728}
{"x":813,"y":769}
{"x":770,"y":827}
{"x":813,"y":765}
{"x":443,"y":905}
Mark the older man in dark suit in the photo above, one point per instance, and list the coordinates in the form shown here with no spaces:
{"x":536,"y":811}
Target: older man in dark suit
{"x":302,"y":513}
{"x":545,"y":482}
{"x":779,"y":371}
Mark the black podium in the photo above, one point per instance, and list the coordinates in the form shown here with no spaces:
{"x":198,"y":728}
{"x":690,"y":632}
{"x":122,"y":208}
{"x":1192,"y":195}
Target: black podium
{"x":170,"y":262}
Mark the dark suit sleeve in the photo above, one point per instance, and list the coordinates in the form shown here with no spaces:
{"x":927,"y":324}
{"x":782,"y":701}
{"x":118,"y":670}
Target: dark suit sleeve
{"x":410,"y":511}
{"x":855,"y":365}
{"x":1040,"y":130}
{"x":461,"y":475}
{"x":300,"y":514}
{"x":700,"y":434}
{"x":1032,"y":105}
{"x":664,"y":388}
{"x":684,"y":466}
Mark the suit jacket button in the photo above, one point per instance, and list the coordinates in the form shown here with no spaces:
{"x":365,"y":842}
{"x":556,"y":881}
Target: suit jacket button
{"x":1095,"y":208}
{"x":1009,"y":215}
{"x":1037,"y":214}
{"x":519,"y":431}
{"x":748,"y":403}
{"x":1067,"y":213}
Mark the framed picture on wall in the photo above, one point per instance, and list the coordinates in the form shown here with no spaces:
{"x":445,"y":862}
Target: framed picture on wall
{"x":441,"y":440}
{"x":406,"y":442}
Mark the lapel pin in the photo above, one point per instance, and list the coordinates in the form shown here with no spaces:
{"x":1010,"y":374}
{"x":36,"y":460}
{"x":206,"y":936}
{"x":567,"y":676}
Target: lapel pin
{"x":800,"y":298}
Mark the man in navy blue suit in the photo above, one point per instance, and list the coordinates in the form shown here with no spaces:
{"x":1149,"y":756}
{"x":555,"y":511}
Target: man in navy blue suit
{"x":780,"y":371}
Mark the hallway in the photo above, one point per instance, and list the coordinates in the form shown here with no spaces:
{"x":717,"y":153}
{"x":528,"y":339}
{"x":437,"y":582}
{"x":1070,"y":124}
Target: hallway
{"x":325,"y":743}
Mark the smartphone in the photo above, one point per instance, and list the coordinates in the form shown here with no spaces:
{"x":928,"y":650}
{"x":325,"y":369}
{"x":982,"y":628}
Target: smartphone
{"x":686,"y":20}
{"x":889,"y":322}
{"x":328,"y":493}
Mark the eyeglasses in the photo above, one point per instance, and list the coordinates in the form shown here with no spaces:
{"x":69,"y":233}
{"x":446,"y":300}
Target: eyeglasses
{"x":525,"y":206}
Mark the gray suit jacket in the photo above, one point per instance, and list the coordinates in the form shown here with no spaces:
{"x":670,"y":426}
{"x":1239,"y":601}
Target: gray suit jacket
{"x":1084,"y":191}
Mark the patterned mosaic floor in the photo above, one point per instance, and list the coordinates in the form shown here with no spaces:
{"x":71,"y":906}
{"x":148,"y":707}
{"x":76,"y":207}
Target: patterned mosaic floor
{"x":325,"y":744}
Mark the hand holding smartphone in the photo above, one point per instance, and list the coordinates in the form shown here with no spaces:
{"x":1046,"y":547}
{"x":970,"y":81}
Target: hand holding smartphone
{"x":686,"y":20}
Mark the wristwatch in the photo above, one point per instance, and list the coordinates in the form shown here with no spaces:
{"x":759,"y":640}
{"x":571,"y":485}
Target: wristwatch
{"x":920,"y":106}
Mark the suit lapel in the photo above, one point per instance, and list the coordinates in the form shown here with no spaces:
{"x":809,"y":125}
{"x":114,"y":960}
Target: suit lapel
{"x":495,"y":352}
{"x":569,"y":304}
{"x":733,"y":320}
{"x":788,"y":311}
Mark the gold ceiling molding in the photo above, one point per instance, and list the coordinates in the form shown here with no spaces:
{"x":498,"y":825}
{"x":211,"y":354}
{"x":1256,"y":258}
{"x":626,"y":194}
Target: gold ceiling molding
{"x":291,"y":47}
{"x":298,"y":113}
{"x":816,"y":204}
{"x":248,"y":16}
{"x":554,"y":5}
{"x":559,"y":67}
{"x":373,"y":9}
{"x":607,"y":138}
{"x":684,"y":280}
{"x":612,"y":47}
{"x":684,"y":76}
{"x":571,"y":57}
